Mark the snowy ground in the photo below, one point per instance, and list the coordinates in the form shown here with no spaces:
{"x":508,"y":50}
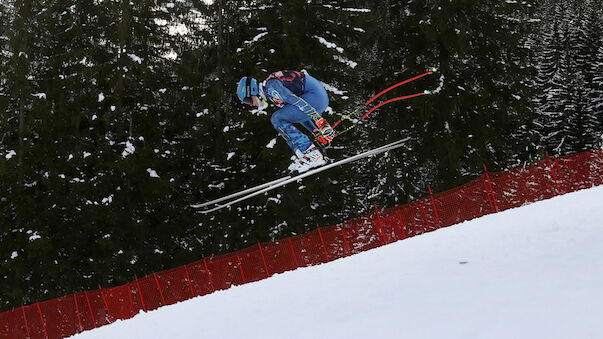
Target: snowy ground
{"x":531,"y":272}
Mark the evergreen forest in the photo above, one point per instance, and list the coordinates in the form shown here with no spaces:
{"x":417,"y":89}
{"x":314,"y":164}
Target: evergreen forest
{"x":116,"y":115}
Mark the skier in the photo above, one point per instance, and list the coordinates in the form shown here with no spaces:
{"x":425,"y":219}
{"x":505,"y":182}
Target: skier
{"x":301,"y":99}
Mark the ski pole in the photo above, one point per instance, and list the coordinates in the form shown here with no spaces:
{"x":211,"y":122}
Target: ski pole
{"x":433,"y":70}
{"x":376,"y":107}
{"x":345,"y":117}
{"x":392,"y":100}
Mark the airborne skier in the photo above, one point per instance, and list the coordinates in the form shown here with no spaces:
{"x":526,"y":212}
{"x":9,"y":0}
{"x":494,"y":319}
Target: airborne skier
{"x":301,"y":99}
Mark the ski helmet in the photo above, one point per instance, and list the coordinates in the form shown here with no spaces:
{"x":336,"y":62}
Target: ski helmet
{"x":247,"y":87}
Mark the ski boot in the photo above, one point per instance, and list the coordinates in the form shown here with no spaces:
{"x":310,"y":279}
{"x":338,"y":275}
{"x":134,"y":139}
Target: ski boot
{"x":324,"y":133}
{"x":309,"y":159}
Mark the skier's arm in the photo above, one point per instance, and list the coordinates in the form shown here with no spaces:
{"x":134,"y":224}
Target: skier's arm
{"x":288,"y":97}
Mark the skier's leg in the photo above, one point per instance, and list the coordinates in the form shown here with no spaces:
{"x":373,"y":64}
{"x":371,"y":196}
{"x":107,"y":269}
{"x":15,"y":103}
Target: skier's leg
{"x":308,"y":156}
{"x":308,"y":124}
{"x":283,"y":120}
{"x":316,"y":95}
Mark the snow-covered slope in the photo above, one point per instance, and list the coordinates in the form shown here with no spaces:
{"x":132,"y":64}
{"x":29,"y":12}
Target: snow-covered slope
{"x":531,"y":272}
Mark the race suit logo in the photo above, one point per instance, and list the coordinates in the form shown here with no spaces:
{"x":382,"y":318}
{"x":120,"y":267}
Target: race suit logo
{"x":276,"y":98}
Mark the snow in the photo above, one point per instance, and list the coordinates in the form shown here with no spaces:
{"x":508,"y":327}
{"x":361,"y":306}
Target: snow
{"x":39,"y":95}
{"x":135,"y":58}
{"x":34,"y":235}
{"x":10,"y":154}
{"x":350,"y":63}
{"x":440,"y":85}
{"x":101,"y":97}
{"x":530,"y":272}
{"x":171,"y":55}
{"x":333,"y":89}
{"x":14,"y":255}
{"x":256,"y":38}
{"x":329,"y":44}
{"x":152,"y":173}
{"x":362,"y":10}
{"x":107,"y":200}
{"x":130,"y":149}
{"x":271,"y":143}
{"x":229,"y":155}
{"x":219,"y":186}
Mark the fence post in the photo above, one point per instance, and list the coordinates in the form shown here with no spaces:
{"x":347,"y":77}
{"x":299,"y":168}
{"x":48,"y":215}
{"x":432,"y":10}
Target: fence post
{"x":25,"y":321}
{"x":241,"y":269}
{"x":90,"y":308}
{"x":77,"y":312}
{"x":105,"y":302}
{"x":560,"y":175}
{"x":264,"y":260}
{"x":434,"y":207}
{"x":188,"y":279}
{"x":424,"y":218}
{"x":402,"y":226}
{"x":487,"y":190}
{"x":346,"y":247}
{"x":144,"y":307}
{"x":322,"y":241}
{"x":293,"y":252}
{"x":491,"y":190}
{"x":211,"y":282}
{"x":42,"y":319}
{"x":132,"y":314}
{"x":159,"y":288}
{"x":379,"y":226}
{"x":553,"y":173}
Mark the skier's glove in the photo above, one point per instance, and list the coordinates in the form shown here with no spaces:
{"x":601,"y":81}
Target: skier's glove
{"x":262,"y":104}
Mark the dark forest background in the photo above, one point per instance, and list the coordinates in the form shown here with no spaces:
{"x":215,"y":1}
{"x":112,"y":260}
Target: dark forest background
{"x":116,"y":115}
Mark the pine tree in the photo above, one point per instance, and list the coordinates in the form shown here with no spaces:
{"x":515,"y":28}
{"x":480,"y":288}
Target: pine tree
{"x":19,"y":186}
{"x":551,"y":84}
{"x":590,"y":61}
{"x":4,"y":57}
{"x":567,"y":120}
{"x":479,"y":88}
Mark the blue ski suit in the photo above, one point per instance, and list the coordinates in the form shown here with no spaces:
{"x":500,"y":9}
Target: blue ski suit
{"x":302,"y":99}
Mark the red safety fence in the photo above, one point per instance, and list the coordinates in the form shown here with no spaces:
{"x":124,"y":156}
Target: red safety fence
{"x":489,"y":193}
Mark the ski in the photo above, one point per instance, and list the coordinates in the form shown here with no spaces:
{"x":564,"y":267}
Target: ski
{"x":260,"y":189}
{"x":237,"y":194}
